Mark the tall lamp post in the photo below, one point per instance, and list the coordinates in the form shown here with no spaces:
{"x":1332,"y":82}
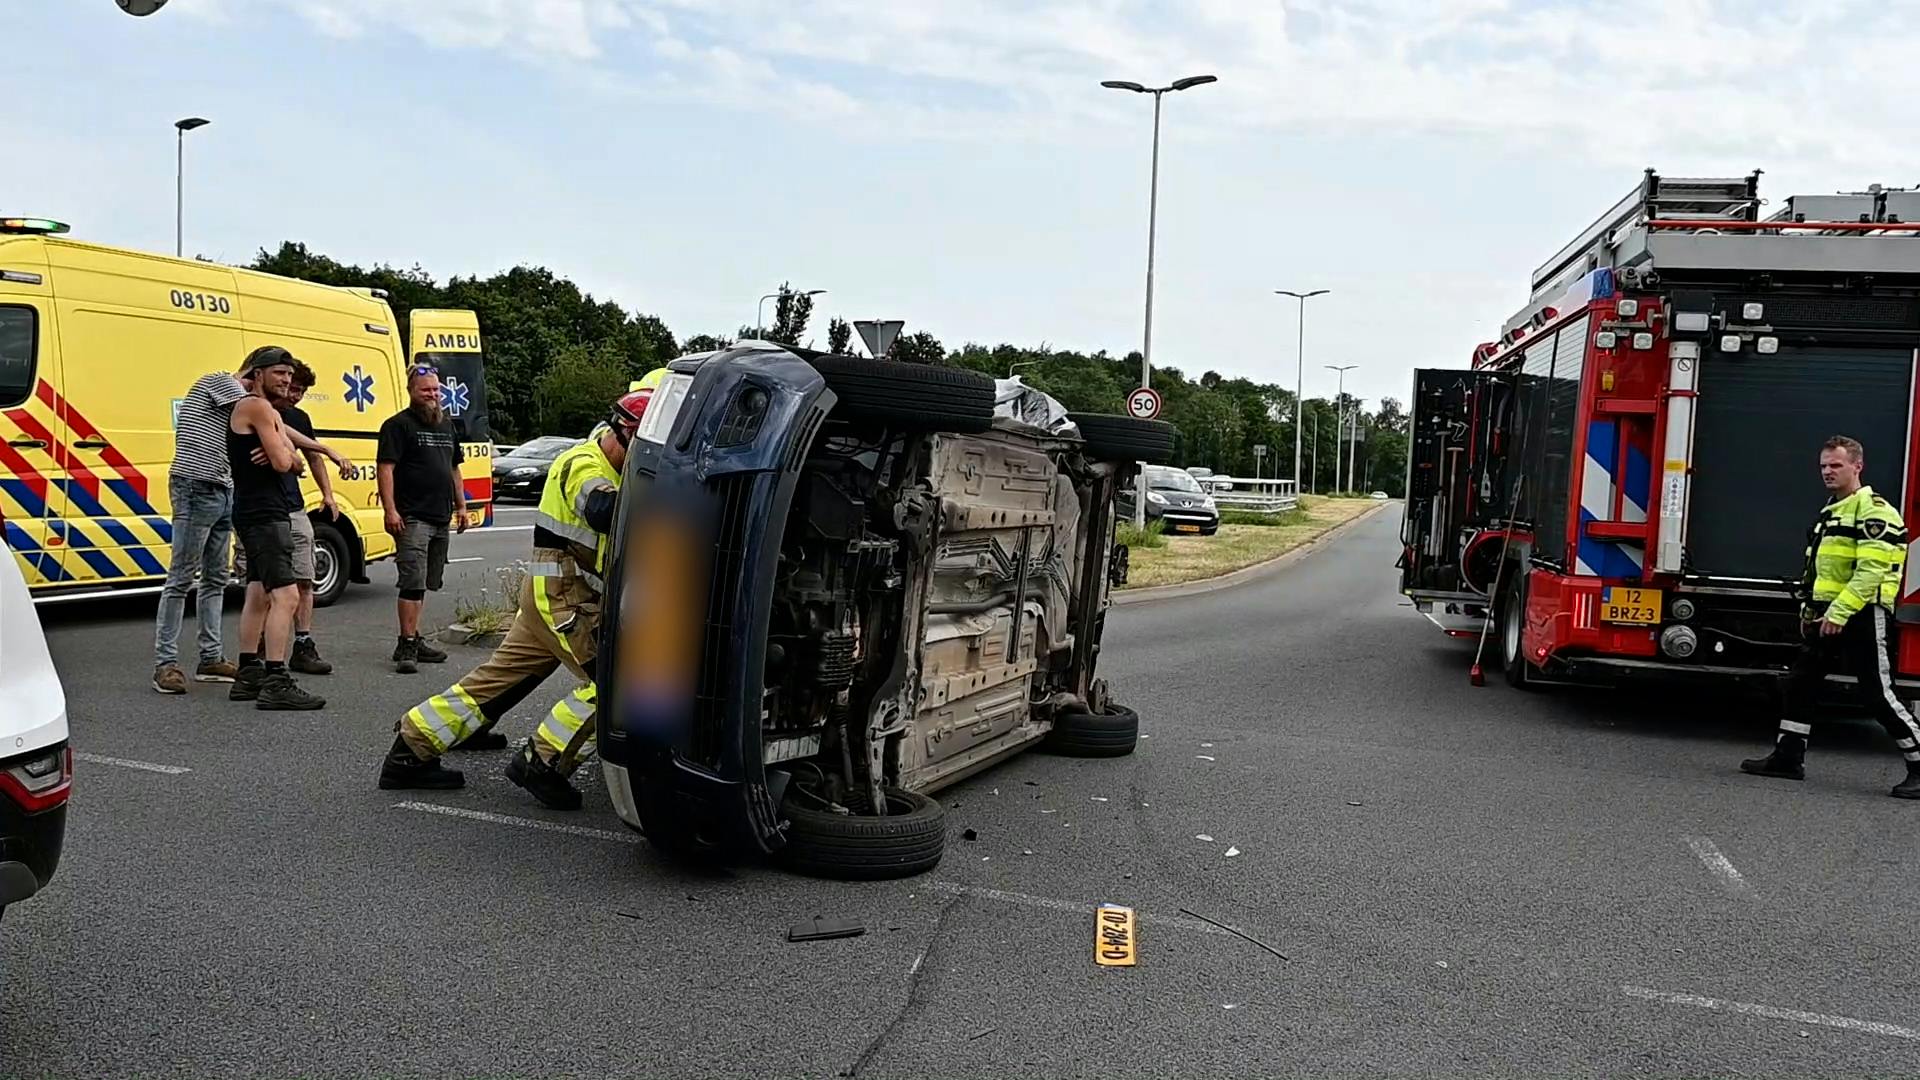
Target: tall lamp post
{"x":181,"y":127}
{"x":1299,"y":371}
{"x":1153,"y":210}
{"x":759,"y":309}
{"x":1339,"y":415}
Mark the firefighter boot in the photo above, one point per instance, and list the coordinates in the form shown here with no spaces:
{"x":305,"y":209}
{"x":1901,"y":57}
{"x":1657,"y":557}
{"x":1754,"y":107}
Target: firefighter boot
{"x":1910,"y":787}
{"x":1782,"y":764}
{"x":542,"y":781}
{"x":401,"y":769}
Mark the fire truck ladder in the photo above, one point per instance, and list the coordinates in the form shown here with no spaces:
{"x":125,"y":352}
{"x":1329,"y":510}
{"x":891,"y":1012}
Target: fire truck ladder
{"x":1707,"y":200}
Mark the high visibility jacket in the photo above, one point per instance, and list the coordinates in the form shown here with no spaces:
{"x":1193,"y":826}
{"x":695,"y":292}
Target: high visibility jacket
{"x":576,"y":512}
{"x":1856,"y":553}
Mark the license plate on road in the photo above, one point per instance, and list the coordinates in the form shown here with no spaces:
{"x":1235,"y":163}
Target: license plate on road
{"x":1639,"y":607}
{"x":1186,"y":528}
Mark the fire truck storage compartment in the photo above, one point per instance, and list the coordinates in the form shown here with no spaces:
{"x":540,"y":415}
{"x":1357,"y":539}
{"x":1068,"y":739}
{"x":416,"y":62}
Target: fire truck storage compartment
{"x":1759,"y":422}
{"x":1457,"y":482}
{"x":1545,"y":405}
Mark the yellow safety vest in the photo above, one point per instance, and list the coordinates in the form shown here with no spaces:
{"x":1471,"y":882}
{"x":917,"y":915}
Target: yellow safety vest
{"x":1856,"y":553}
{"x":574,"y":476}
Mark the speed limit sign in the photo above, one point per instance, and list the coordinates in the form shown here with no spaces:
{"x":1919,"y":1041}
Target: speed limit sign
{"x":1144,"y":403}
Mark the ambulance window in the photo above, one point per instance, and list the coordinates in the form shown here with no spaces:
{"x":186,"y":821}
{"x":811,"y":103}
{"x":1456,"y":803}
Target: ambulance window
{"x":19,"y":336}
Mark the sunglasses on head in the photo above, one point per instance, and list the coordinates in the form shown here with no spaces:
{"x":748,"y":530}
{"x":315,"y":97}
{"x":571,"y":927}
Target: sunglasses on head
{"x":422,"y":369}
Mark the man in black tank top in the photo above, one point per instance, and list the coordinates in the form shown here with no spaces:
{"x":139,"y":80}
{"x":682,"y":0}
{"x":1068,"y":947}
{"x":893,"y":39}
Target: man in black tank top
{"x":266,"y":491}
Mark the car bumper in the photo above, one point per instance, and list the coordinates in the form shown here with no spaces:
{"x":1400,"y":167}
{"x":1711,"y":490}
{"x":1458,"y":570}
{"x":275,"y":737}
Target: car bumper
{"x":29,"y":849}
{"x":1189,"y":521}
{"x":521,"y":487}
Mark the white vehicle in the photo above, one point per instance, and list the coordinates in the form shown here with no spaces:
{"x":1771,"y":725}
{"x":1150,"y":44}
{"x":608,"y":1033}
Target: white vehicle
{"x":36,"y":764}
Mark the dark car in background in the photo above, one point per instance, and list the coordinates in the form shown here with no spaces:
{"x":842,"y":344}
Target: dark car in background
{"x":521,"y":472}
{"x":1175,"y":498}
{"x":840,"y":584}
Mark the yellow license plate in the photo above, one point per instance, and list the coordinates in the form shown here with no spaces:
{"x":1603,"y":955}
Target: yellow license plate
{"x":1186,"y":528}
{"x":1638,"y":607}
{"x":1113,"y":940}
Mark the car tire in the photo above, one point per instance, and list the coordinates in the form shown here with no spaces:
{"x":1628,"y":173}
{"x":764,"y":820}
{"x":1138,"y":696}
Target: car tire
{"x":861,"y":847}
{"x":1123,"y":438}
{"x":909,"y":395}
{"x":1513,"y":637}
{"x":1077,"y":733}
{"x":332,"y":564}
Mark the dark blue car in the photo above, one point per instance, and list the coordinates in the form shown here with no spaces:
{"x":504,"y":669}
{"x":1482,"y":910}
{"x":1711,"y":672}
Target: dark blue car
{"x":840,"y":584}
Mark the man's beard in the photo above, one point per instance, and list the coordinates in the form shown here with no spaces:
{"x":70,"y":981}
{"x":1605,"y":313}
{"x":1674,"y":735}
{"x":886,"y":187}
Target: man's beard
{"x":429,"y":412}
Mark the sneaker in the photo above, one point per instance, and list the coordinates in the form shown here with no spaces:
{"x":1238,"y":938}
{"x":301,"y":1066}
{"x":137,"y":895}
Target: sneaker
{"x":542,"y":780}
{"x":482,"y":740}
{"x":246,"y":685}
{"x":1775,"y":766}
{"x":427,"y":653}
{"x":406,"y":656}
{"x":401,"y":770}
{"x":278,"y":691}
{"x":306,"y":659}
{"x":215,"y":671}
{"x":169,"y":679}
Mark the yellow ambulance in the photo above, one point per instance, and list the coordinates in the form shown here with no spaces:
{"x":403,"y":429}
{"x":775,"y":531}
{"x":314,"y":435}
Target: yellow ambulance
{"x":98,"y":346}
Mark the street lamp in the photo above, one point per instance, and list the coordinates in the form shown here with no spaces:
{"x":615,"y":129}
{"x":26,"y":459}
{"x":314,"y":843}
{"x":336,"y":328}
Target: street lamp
{"x":181,"y":127}
{"x":1299,"y":370}
{"x":1339,"y":413}
{"x":1153,"y":210}
{"x":760,"y":308}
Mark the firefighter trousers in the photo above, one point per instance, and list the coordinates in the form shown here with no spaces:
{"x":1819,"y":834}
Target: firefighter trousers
{"x":555,"y":627}
{"x":1865,"y":648}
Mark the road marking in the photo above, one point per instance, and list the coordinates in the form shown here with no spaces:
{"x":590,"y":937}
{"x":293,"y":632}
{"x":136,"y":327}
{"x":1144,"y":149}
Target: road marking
{"x":1845,"y":1023}
{"x":524,"y":823}
{"x":470,"y":558}
{"x":1719,"y":865}
{"x":1177,"y":922}
{"x":490,"y":529}
{"x":124,"y":763}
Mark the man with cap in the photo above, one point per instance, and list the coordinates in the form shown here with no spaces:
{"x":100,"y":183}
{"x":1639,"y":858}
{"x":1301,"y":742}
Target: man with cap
{"x":557,"y":625}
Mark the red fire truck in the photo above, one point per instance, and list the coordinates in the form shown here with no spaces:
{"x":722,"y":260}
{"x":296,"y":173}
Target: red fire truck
{"x":1622,"y":485}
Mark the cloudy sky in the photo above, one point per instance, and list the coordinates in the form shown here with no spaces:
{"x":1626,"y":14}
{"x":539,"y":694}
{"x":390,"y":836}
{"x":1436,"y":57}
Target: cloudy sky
{"x":957,"y":165}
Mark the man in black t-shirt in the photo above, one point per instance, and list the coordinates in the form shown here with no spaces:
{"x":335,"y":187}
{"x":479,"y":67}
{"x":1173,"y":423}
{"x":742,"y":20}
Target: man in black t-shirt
{"x":419,"y":464}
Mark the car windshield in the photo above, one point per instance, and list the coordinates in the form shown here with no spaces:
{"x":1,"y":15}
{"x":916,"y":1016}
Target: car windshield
{"x":545,"y":448}
{"x":1172,"y":480}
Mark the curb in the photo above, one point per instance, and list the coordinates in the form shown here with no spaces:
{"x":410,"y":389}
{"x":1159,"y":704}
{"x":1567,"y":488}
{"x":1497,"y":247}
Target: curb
{"x":457,"y":634}
{"x":1246,"y":573}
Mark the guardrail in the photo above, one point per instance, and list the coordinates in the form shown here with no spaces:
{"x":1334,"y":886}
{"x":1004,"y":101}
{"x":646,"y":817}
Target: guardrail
{"x":1262,"y":495}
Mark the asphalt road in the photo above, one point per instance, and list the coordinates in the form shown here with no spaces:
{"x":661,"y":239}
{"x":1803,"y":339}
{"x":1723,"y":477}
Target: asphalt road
{"x":1464,"y":882}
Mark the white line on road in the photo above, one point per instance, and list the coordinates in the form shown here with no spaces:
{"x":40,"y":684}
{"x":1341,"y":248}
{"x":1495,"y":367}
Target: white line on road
{"x":489,"y":530}
{"x":143,"y":766}
{"x":524,"y":823}
{"x":1175,"y":921}
{"x":1719,"y":865}
{"x":470,"y":558}
{"x":1845,"y":1023}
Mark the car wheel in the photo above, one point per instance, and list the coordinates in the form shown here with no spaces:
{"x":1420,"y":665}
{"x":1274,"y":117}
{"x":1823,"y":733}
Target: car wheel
{"x":909,"y":395}
{"x":331,"y":558}
{"x":847,"y":843}
{"x":1123,"y":438}
{"x":1113,"y":733}
{"x":1513,"y":637}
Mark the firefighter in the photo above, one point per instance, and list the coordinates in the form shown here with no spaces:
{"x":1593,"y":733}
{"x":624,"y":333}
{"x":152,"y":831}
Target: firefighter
{"x":557,"y":625}
{"x":1855,"y":553}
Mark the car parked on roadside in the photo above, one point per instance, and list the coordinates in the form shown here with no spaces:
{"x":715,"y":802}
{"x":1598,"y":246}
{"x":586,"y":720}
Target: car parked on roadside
{"x":521,"y":472}
{"x":36,"y":763}
{"x":839,"y":584}
{"x":1176,"y":498}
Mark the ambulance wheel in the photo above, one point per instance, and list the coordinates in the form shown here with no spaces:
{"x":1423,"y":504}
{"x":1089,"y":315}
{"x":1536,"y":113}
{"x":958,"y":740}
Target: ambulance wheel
{"x":1513,"y":638}
{"x":847,"y":843}
{"x":917,"y":396}
{"x":331,"y":560}
{"x":1124,"y":438}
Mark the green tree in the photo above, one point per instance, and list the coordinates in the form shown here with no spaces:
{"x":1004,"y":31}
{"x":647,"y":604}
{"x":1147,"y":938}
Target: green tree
{"x":791,"y":313}
{"x":839,"y":335}
{"x":582,"y":385}
{"x":700,"y":343}
{"x":920,"y":348}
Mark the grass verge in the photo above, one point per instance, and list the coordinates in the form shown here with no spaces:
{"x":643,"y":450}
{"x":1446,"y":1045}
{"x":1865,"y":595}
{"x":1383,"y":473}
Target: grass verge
{"x":494,"y":608}
{"x":1238,"y":544}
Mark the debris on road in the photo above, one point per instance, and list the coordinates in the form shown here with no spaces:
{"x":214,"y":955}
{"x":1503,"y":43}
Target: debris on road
{"x":1206,"y":746}
{"x":1235,"y":932}
{"x":1099,"y":798}
{"x":1026,"y":851}
{"x":1232,"y":851}
{"x":1203,"y":757}
{"x":819,"y":929}
{"x":970,"y":834}
{"x":982,"y":1034}
{"x":1049,"y":811}
{"x":1354,"y":802}
{"x":1203,"y":836}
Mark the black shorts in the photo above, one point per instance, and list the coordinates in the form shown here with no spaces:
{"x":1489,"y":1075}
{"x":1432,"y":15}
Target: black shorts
{"x":269,"y":549}
{"x":422,"y":556}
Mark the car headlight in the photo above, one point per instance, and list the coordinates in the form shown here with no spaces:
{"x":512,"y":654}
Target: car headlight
{"x":1156,"y":498}
{"x":525,"y":471}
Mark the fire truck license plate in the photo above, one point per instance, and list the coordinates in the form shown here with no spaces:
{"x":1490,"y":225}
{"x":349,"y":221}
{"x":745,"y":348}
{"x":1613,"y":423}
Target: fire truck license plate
{"x":1641,"y":607}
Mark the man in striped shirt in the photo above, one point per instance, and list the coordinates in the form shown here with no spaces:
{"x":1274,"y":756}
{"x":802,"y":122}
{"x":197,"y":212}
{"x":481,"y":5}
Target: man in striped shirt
{"x":200,"y":491}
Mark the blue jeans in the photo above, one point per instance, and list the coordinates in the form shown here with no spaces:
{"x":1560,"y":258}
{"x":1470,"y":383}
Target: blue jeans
{"x":202,"y":536}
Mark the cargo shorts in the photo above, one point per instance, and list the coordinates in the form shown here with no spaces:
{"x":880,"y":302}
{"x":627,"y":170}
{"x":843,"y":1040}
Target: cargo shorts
{"x":269,"y":550}
{"x":302,"y":526}
{"x":422,"y":558}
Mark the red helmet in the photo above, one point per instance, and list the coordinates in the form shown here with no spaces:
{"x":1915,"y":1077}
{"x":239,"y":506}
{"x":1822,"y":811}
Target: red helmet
{"x":629,"y":409}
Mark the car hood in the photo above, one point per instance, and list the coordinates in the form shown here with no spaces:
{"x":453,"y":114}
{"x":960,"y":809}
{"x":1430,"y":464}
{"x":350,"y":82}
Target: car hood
{"x":35,"y":715}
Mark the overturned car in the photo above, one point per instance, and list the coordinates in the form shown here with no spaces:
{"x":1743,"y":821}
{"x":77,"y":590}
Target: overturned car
{"x":839,"y":584}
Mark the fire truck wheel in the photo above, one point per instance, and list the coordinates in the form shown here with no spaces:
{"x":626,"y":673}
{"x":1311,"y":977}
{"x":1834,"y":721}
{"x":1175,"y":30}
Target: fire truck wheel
{"x":916,"y":396}
{"x":1513,"y":625}
{"x":1123,"y":438}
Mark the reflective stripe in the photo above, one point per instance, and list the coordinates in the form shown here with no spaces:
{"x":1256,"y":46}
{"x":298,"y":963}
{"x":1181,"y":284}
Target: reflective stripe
{"x":545,"y":569}
{"x":1912,"y":755}
{"x":445,"y":718}
{"x":587,"y":487}
{"x":568,"y":715}
{"x":593,"y":580}
{"x":1907,"y":744}
{"x":1796,"y":727}
{"x":579,"y":534}
{"x":544,"y":604}
{"x":1886,"y":673}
